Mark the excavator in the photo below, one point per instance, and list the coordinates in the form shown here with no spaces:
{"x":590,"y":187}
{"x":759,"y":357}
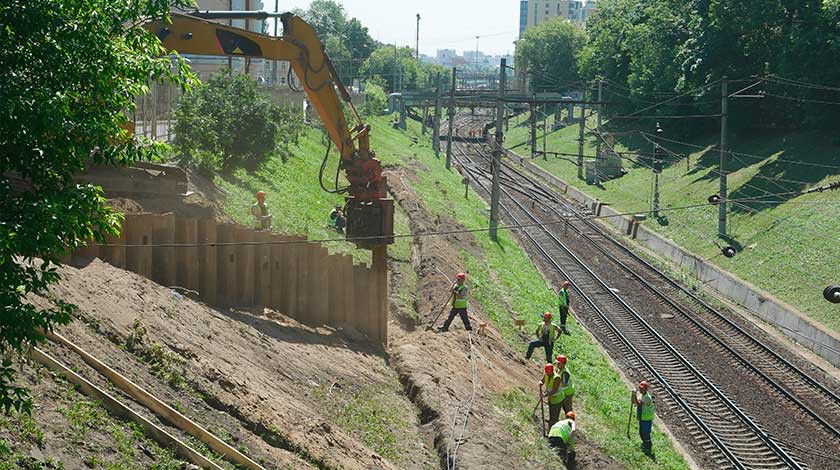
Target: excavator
{"x":368,"y":210}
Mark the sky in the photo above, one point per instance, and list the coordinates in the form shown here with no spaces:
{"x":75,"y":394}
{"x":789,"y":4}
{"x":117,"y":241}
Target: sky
{"x":444,"y":24}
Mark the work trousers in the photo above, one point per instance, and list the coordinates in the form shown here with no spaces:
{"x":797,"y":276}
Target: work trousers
{"x":644,"y":433}
{"x":567,"y":404}
{"x":464,"y":318}
{"x":545,"y":343}
{"x":564,"y":313}
{"x":554,"y":411}
{"x":562,"y":449}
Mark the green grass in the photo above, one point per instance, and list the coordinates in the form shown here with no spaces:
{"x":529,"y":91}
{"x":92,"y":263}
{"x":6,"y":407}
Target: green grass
{"x":503,"y":275}
{"x":374,"y":414}
{"x":784,"y":246}
{"x":500,"y":275}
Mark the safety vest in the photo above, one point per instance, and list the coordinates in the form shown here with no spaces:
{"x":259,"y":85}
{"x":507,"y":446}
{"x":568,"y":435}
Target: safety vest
{"x":563,"y":430}
{"x":646,"y":411}
{"x":569,"y":389}
{"x":563,"y":298}
{"x":459,"y":302}
{"x":557,"y":397}
{"x":332,"y":219}
{"x":552,"y":332}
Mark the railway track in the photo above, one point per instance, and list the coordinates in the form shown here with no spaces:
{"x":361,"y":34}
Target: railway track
{"x":729,"y":436}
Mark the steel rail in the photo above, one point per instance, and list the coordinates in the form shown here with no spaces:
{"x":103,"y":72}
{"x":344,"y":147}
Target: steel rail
{"x":780,"y":453}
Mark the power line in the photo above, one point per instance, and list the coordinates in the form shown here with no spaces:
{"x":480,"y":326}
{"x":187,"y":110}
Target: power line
{"x":405,"y":235}
{"x":746,"y":155}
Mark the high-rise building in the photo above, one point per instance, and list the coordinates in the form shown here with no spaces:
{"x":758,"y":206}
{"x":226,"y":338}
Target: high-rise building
{"x":535,"y":12}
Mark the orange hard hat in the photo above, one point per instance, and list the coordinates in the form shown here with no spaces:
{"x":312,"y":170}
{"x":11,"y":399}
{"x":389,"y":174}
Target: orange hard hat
{"x":561,"y":359}
{"x":566,"y":283}
{"x":643,"y":385}
{"x":549,"y":369}
{"x":461,"y":275}
{"x":260,"y":195}
{"x":570,"y":415}
{"x":546,"y":315}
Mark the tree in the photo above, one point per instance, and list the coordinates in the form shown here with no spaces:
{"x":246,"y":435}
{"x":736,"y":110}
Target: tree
{"x":228,"y":123}
{"x":327,"y":17}
{"x":549,"y":53}
{"x":70,"y":69}
{"x":387,"y":63}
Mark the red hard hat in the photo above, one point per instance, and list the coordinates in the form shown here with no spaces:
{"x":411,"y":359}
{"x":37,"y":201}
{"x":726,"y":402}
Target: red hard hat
{"x":571,"y":415}
{"x":549,"y":369}
{"x":643,"y":385}
{"x":260,"y":195}
{"x":566,"y":283}
{"x":546,"y":315}
{"x":561,"y":359}
{"x":461,"y":275}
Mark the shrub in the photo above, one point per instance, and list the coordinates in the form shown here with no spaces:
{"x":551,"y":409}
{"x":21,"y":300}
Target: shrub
{"x":228,"y":123}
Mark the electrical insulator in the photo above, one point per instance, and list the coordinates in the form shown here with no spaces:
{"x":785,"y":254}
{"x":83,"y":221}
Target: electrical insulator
{"x":832,"y":294}
{"x":729,"y":251}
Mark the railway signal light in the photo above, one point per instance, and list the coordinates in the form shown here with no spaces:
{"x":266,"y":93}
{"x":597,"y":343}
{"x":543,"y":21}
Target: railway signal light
{"x":832,"y":294}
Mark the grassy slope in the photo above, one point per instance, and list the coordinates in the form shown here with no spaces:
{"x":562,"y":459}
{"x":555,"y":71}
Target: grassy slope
{"x":785,"y":245}
{"x":299,"y":206}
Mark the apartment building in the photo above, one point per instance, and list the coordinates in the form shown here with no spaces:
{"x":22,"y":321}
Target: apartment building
{"x":535,"y":12}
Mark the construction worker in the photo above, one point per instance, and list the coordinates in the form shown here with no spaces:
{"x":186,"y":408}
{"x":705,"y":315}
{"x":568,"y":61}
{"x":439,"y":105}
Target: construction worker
{"x":552,"y":393}
{"x":262,"y":219}
{"x":546,"y":333}
{"x":563,"y":305}
{"x":561,"y":437}
{"x":643,"y":399}
{"x":458,"y":293}
{"x":336,"y":219}
{"x":564,"y":376}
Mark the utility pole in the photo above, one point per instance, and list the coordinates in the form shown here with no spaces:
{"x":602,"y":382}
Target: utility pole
{"x":436,"y":130}
{"x":533,"y":129}
{"x":600,"y":133}
{"x":724,"y":109}
{"x":417,"y":50}
{"x":657,"y":169}
{"x":497,"y":154}
{"x":394,"y":83}
{"x":545,"y":131}
{"x":580,"y":137}
{"x":451,"y":120}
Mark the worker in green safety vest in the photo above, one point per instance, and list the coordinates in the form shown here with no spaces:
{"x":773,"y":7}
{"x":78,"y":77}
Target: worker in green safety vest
{"x":335,"y":220}
{"x":643,"y":399}
{"x":561,"y":437}
{"x":563,"y":305}
{"x":459,"y":292}
{"x":567,"y":386}
{"x":547,"y":333}
{"x":262,"y":219}
{"x":552,"y":393}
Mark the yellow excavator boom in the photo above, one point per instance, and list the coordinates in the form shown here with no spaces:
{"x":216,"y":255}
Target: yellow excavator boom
{"x":369,"y":212}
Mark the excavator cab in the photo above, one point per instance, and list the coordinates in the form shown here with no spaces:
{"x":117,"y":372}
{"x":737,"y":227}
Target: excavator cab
{"x":368,"y":210}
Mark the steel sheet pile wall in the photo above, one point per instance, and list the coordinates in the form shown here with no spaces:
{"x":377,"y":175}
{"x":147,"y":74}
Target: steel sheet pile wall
{"x":242,"y":267}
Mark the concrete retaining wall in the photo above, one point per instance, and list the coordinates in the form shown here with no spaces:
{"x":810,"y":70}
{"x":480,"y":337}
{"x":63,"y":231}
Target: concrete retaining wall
{"x":301,"y":280}
{"x":790,"y":321}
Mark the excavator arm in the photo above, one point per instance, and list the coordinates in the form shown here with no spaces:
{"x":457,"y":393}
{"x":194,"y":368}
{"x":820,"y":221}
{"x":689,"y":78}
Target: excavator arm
{"x":369,"y":212}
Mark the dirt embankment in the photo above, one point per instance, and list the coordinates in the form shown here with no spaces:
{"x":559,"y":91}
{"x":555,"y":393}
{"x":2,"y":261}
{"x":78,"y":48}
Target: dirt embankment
{"x":259,"y":379}
{"x":293,"y":396}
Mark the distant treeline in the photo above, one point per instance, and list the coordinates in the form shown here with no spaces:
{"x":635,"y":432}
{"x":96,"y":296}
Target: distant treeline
{"x":648,"y":51}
